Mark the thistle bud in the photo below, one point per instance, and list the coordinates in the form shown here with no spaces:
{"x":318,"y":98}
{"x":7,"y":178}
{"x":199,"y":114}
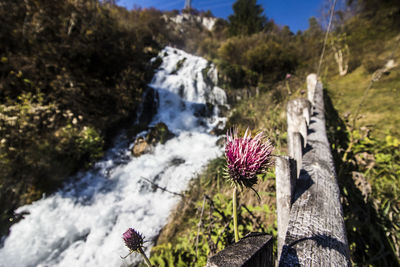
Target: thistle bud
{"x":133,"y":239}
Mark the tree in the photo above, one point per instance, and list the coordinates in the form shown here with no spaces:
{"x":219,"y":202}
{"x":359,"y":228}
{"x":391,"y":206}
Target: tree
{"x":248,"y":18}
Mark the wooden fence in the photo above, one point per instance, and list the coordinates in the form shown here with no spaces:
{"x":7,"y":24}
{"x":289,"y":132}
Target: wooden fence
{"x":311,"y":230}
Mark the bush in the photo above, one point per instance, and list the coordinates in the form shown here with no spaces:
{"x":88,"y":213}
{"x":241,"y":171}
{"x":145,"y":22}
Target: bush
{"x":255,"y":59}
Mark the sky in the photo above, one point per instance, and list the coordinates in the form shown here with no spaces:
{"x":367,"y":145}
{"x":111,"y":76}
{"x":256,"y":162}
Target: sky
{"x":294,"y":13}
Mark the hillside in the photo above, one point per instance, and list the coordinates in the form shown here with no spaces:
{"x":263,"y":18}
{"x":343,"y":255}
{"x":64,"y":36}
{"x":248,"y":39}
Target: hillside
{"x":365,"y":148}
{"x":73,"y":74}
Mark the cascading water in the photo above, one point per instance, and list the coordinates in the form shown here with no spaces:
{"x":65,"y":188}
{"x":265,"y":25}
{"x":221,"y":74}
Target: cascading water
{"x":82,"y":224}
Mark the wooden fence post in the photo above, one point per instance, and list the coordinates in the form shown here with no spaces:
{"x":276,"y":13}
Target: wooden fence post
{"x":311,"y":85}
{"x":285,"y":175}
{"x":298,"y":117}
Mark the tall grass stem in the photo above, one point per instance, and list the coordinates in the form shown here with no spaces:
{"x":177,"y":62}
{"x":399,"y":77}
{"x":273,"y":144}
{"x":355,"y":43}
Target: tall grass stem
{"x":145,"y":257}
{"x":235,"y":223}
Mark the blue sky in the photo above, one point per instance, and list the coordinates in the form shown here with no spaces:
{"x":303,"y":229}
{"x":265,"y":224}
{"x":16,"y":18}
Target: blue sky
{"x":294,"y":13}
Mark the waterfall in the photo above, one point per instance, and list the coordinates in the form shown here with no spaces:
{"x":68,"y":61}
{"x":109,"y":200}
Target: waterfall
{"x":82,"y":223}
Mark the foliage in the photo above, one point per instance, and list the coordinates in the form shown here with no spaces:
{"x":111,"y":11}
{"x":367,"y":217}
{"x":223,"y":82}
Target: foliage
{"x":247,"y":18}
{"x":71,"y":72}
{"x":256,"y":59}
{"x":210,"y":231}
{"x":379,"y":162}
{"x":370,"y":204}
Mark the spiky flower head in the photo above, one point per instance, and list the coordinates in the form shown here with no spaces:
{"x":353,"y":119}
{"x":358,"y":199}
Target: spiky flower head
{"x":133,"y":239}
{"x":246,"y":157}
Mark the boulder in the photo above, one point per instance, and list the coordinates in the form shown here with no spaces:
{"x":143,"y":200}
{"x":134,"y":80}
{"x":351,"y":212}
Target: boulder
{"x":157,"y":134}
{"x":140,"y":147}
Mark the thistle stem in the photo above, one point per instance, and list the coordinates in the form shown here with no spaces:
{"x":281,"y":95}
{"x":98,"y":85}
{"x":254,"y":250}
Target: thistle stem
{"x":145,"y":257}
{"x":235,"y":224}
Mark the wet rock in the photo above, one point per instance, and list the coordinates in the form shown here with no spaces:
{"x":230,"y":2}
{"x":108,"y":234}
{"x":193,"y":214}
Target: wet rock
{"x":221,"y":141}
{"x":219,"y":129}
{"x":157,"y":134}
{"x":140,"y":147}
{"x":203,"y":110}
{"x":177,"y":161}
{"x":150,"y":106}
{"x":178,"y":66}
{"x":223,"y":111}
{"x":155,"y":64}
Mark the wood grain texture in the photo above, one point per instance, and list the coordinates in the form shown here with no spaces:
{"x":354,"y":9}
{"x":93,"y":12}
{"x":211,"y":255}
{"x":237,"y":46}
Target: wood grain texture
{"x":298,"y":117}
{"x":316,"y":234}
{"x":254,"y":250}
{"x":286,"y":176}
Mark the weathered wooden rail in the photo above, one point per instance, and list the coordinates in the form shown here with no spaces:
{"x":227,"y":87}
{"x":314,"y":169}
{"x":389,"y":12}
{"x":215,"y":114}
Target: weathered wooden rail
{"x":252,"y":250}
{"x":311,"y":230}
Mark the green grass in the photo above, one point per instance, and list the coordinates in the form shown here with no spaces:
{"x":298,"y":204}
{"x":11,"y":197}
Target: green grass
{"x":380,"y":110}
{"x":366,"y":152}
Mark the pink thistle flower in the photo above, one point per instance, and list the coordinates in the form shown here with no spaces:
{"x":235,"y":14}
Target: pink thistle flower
{"x":246,"y":157}
{"x":133,"y":239}
{"x":288,"y":75}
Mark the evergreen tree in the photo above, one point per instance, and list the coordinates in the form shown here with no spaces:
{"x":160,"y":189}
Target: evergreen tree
{"x":248,"y":18}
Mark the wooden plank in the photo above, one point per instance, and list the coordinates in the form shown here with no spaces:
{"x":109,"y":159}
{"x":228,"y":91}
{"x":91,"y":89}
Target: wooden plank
{"x":316,"y":234}
{"x":311,"y":86}
{"x":297,"y":151}
{"x":285,"y":175}
{"x":298,"y":117}
{"x":254,"y":250}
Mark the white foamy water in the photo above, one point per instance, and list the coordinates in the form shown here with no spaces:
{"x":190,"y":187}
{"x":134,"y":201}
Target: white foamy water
{"x":82,"y":224}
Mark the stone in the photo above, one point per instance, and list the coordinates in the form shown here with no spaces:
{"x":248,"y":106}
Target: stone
{"x":157,"y":134}
{"x":177,"y":161}
{"x":140,"y":147}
